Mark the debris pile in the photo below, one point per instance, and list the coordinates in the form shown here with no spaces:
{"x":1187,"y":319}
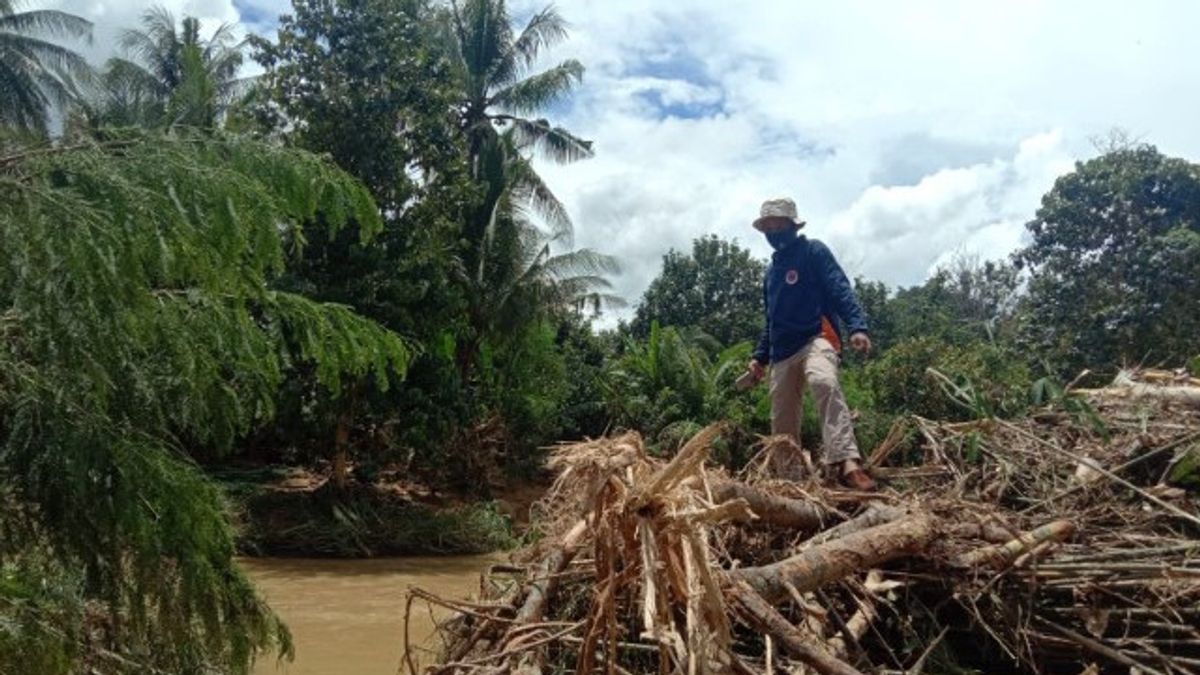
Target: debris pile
{"x":1060,"y":542}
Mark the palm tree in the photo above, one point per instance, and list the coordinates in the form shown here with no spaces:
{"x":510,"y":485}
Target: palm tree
{"x":519,"y":271}
{"x":171,"y":74}
{"x":35,"y":73}
{"x":511,"y":269}
{"x":498,"y":90}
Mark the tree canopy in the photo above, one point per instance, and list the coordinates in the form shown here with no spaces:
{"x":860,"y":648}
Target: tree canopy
{"x":717,"y":288}
{"x":1116,"y":246}
{"x":136,"y":321}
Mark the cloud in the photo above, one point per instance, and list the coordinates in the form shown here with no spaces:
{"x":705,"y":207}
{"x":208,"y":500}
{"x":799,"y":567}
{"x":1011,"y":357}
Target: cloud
{"x":905,"y":131}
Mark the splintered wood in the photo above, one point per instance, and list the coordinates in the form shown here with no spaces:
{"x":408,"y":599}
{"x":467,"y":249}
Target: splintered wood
{"x":993,"y":554}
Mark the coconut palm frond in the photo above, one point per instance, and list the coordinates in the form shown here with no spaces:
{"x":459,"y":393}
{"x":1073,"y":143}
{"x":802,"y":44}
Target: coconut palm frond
{"x":545,"y":29}
{"x":536,"y":92}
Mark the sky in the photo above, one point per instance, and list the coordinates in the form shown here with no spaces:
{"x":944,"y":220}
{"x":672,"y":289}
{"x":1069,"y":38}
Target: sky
{"x":908,"y":132}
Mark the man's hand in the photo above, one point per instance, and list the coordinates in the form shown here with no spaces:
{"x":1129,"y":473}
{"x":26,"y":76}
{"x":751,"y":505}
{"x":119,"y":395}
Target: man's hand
{"x":756,"y":369}
{"x":860,"y":342}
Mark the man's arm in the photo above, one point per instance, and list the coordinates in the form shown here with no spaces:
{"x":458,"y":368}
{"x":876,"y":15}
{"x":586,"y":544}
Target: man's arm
{"x":838,"y":289}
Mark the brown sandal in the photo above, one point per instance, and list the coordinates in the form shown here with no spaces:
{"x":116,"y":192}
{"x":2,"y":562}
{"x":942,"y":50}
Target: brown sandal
{"x":857,"y":479}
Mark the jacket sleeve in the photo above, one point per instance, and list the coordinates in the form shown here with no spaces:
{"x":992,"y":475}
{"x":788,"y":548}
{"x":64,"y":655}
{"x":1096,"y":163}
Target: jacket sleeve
{"x":838,"y":292}
{"x":762,"y":353}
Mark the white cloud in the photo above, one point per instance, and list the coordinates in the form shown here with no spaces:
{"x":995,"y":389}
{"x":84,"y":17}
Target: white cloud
{"x":906,"y":131}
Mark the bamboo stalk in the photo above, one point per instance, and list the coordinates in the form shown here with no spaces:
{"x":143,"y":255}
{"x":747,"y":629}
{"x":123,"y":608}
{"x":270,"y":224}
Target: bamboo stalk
{"x":1001,"y":555}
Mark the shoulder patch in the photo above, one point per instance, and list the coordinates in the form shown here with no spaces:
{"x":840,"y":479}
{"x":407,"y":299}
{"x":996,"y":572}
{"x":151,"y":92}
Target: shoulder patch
{"x":791,"y":277}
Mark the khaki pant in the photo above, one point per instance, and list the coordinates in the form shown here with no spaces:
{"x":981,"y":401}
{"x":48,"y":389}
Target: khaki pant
{"x":816,"y":364}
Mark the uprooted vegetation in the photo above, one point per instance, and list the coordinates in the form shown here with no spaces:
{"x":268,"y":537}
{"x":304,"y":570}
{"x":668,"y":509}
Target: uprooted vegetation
{"x":1031,"y":545}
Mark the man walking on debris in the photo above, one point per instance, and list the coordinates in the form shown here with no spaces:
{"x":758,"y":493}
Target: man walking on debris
{"x":803,"y":290}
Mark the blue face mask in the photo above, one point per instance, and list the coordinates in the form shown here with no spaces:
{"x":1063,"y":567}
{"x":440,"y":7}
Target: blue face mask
{"x":780,"y":240}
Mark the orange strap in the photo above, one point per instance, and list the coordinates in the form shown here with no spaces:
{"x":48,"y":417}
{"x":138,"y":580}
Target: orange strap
{"x":828,"y":332}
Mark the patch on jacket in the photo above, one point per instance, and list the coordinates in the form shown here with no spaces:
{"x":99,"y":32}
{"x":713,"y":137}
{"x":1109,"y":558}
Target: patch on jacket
{"x":791,"y":277}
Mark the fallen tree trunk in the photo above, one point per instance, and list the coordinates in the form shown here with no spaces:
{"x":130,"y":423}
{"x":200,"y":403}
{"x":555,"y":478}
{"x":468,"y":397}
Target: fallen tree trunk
{"x":828,"y":562}
{"x":875,"y":515}
{"x":759,"y":614}
{"x":542,"y":588}
{"x":773,"y":509}
{"x":1124,"y":386}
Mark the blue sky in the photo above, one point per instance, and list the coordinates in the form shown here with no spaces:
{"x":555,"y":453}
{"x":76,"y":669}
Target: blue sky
{"x":907,"y":132}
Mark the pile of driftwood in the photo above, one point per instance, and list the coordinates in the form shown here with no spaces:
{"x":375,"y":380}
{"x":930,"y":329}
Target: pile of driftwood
{"x":1055,"y":543}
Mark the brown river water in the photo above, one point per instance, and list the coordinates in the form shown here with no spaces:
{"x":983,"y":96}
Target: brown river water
{"x":347,"y":616}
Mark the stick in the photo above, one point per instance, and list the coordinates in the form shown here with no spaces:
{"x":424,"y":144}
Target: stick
{"x":771,"y":508}
{"x":1133,"y":462}
{"x":1100,"y":648}
{"x":920,"y":664}
{"x":763,"y":617}
{"x":1108,"y":474}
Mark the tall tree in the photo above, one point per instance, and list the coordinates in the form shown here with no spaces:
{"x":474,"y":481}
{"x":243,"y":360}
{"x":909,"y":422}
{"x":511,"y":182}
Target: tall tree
{"x":36,"y":73}
{"x":367,"y":82}
{"x":171,"y":74}
{"x":717,"y":288}
{"x":136,"y":322}
{"x":511,"y":269}
{"x":517,"y":272}
{"x":1115,"y":246}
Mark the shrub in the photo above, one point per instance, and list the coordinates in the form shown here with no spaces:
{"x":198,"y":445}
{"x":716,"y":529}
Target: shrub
{"x":928,"y":377}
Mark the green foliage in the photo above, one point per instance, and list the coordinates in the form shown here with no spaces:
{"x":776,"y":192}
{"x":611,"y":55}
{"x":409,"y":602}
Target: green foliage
{"x":137,"y":320}
{"x":669,"y":385}
{"x":1115,"y":247}
{"x":717,"y":289}
{"x":1186,"y":468}
{"x":492,"y":68}
{"x":41,"y":616}
{"x":367,"y":84}
{"x":963,"y":302}
{"x":36,"y":73}
{"x":928,"y":377}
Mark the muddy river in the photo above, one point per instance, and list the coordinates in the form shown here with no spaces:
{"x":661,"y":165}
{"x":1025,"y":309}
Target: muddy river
{"x":347,"y":616}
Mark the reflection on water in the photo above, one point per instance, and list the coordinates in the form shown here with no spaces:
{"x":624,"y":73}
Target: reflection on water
{"x":347,"y":616}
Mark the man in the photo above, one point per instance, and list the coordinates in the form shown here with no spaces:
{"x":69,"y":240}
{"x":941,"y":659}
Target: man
{"x":804,"y":290}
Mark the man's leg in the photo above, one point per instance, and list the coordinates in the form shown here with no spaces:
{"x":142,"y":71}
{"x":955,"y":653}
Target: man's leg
{"x":837,"y":429}
{"x":787,"y":386}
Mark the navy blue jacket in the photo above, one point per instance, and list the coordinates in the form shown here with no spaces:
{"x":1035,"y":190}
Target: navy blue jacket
{"x":803,"y":284}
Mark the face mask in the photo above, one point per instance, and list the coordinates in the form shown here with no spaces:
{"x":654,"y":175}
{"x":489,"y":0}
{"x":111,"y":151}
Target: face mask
{"x":780,"y":240}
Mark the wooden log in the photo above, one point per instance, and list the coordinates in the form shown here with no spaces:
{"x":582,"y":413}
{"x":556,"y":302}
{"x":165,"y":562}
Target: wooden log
{"x":1127,"y":388}
{"x":774,"y":509}
{"x":759,"y":614}
{"x":1001,"y":555}
{"x":834,"y":560}
{"x":874,"y":515}
{"x":546,"y":581}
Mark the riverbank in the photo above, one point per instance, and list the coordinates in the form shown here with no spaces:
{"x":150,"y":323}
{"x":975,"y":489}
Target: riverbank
{"x":295,"y":512}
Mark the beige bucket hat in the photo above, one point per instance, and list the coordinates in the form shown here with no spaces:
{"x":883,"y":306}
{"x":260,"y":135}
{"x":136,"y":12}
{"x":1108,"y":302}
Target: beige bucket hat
{"x":777,"y":215}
